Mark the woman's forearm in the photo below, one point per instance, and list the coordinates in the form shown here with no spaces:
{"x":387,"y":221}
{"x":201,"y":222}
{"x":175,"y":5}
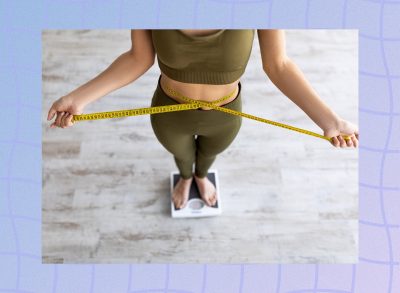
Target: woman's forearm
{"x":292,"y":82}
{"x":124,"y":70}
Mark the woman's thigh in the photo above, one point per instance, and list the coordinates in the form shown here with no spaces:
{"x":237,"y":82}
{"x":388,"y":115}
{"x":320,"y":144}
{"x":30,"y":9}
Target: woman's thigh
{"x":177,"y":141}
{"x":218,"y":139}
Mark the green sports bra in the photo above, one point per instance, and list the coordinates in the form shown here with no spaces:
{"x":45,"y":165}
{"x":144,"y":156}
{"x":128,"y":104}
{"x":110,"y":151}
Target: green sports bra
{"x":219,"y":58}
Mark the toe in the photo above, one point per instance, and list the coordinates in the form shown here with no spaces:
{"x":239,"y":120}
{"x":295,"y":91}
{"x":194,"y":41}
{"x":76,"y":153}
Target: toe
{"x":183,"y":204}
{"x":212,"y":199}
{"x":176,"y":203}
{"x":215,"y":198}
{"x":207,"y":200}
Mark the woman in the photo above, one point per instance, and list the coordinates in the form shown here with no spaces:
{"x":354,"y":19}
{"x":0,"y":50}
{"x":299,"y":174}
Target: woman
{"x":202,"y":65}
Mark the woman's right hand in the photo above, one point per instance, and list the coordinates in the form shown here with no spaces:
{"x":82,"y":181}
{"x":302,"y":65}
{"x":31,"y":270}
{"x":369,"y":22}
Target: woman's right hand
{"x":65,"y":107}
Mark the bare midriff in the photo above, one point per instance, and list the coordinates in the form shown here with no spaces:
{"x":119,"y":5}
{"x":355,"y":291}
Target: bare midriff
{"x":204,"y":92}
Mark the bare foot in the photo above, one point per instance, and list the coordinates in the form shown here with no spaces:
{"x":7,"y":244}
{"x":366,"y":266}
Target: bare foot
{"x":180,"y":194}
{"x":207,"y":190}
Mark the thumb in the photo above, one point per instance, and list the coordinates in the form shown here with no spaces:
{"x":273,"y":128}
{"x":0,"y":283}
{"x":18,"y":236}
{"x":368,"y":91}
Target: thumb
{"x":51,"y":113}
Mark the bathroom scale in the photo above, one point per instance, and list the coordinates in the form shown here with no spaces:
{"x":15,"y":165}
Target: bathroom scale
{"x":195,"y":206}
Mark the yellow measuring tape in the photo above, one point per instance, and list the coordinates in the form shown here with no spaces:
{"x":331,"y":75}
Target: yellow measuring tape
{"x":191,"y":104}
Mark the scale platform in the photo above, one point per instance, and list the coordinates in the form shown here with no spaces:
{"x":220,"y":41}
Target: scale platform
{"x":196,"y":207}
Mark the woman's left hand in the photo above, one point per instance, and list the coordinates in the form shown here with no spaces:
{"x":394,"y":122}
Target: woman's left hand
{"x":343,"y":128}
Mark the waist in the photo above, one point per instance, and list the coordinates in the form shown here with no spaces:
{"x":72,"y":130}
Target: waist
{"x":225,"y":93}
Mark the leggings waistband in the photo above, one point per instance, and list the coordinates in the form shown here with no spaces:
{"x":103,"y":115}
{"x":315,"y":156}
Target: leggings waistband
{"x":235,"y":104}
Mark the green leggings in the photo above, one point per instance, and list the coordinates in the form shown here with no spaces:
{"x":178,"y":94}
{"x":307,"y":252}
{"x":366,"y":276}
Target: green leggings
{"x":194,"y":136}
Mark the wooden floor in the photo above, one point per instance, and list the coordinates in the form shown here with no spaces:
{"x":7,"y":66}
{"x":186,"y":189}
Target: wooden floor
{"x":287,"y":197}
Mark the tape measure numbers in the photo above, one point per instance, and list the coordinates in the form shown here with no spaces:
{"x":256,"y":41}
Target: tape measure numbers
{"x":190,"y":105}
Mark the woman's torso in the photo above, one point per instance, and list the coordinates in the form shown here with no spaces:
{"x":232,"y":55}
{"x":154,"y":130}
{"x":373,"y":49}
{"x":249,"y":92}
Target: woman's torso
{"x":202,"y":91}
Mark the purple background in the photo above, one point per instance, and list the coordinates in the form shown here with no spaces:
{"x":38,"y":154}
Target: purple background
{"x":21,"y":23}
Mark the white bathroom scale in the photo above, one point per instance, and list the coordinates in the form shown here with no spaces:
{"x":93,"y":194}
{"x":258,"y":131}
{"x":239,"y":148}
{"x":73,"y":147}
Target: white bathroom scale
{"x":196,"y":207}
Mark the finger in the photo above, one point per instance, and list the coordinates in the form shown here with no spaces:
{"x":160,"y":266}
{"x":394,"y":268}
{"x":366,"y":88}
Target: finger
{"x":57,"y":120}
{"x":64,"y":120}
{"x":341,"y":140}
{"x":52,"y":125}
{"x":355,"y":141}
{"x":69,"y":120}
{"x":59,"y":117}
{"x":348,"y":140}
{"x":51,"y":113}
{"x":335,"y":141}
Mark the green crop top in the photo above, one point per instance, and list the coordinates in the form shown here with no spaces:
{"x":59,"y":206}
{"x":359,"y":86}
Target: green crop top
{"x":219,"y":58}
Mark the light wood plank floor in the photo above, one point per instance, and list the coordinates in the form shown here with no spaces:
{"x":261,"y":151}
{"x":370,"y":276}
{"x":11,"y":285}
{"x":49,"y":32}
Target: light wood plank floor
{"x":287,"y":197}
